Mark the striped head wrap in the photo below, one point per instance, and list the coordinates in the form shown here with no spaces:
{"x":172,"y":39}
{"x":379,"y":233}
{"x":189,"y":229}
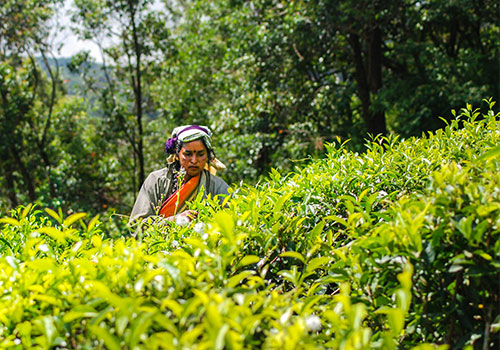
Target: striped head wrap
{"x":188,"y":133}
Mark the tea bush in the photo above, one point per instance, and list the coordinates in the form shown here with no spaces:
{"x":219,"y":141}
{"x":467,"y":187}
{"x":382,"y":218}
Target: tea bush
{"x":394,"y":248}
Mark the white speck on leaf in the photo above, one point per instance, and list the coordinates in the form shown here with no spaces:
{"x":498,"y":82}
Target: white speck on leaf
{"x":181,"y":220}
{"x":199,"y":227}
{"x":313,"y":323}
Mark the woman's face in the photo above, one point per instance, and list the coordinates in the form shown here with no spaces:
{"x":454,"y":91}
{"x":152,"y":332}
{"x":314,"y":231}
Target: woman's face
{"x":193,"y":157}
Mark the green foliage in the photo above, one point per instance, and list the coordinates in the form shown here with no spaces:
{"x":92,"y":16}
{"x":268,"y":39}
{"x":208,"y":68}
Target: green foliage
{"x":277,"y":79}
{"x":397,"y":247}
{"x":24,"y":25}
{"x":49,"y":146}
{"x":56,"y":160}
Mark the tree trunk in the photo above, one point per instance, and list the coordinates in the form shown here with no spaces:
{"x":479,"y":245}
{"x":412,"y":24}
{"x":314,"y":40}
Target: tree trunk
{"x":138,"y":94}
{"x":369,"y":79}
{"x":28,"y":180}
{"x":9,"y":182}
{"x":43,"y":140}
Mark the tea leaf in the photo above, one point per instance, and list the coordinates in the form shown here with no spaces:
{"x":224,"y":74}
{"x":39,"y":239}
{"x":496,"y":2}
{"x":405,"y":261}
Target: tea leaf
{"x":92,"y":223}
{"x":292,"y":254}
{"x":492,"y":153}
{"x":219,"y":341}
{"x":56,"y":216}
{"x":109,"y":339}
{"x":73,"y":315}
{"x":173,"y":306}
{"x":10,"y":221}
{"x":236,"y":280}
{"x":26,"y":210}
{"x":316,"y":263}
{"x":54,"y":233}
{"x":73,"y":218}
{"x":248,"y":260}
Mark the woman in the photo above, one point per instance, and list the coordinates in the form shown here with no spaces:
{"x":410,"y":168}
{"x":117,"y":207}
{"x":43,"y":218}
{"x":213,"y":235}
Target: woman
{"x":191,"y":168}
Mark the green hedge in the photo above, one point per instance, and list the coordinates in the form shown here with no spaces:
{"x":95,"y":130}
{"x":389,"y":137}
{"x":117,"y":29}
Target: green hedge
{"x":395,"y":248}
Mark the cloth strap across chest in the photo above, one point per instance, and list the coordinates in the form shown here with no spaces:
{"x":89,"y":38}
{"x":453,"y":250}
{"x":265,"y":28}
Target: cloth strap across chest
{"x":172,"y":205}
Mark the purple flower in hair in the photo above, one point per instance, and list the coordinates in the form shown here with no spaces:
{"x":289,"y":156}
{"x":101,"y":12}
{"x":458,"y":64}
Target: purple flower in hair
{"x":170,"y":145}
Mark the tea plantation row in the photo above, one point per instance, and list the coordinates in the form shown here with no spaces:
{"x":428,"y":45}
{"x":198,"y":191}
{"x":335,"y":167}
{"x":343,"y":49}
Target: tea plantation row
{"x":395,"y":248}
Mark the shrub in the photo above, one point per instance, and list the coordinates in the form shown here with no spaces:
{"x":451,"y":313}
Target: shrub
{"x":393,"y":248}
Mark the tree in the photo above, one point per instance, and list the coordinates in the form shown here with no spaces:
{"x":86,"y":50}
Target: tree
{"x":302,"y":72}
{"x":16,"y":103}
{"x":26,"y":105}
{"x":442,"y":54}
{"x":130,"y":35}
{"x":262,"y":80}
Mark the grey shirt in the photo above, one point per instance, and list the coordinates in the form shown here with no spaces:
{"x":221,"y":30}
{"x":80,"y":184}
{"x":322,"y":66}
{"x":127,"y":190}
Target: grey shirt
{"x":156,"y":186}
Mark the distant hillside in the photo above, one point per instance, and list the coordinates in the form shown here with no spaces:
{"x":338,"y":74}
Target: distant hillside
{"x":74,"y":81}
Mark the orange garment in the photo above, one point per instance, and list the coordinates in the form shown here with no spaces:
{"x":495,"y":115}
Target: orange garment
{"x":176,"y":200}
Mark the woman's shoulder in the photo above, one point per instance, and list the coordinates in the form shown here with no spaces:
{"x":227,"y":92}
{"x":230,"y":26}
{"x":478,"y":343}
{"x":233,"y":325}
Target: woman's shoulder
{"x":159,"y":172}
{"x":156,"y":175}
{"x":217,"y":185}
{"x":214,"y":177}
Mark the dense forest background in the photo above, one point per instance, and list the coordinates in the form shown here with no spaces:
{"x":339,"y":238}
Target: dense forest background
{"x":275,"y":80}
